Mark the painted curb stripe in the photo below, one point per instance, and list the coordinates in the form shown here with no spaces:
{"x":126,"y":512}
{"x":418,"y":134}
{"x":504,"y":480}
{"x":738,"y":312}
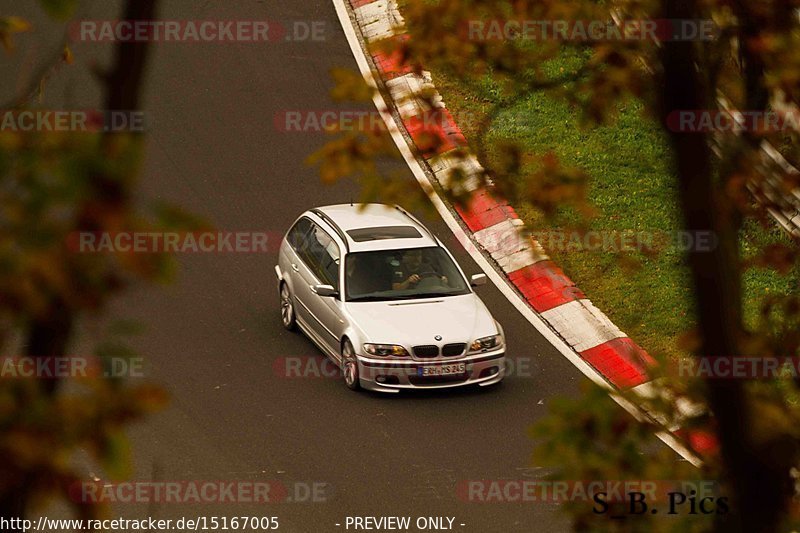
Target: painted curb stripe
{"x":582,"y":325}
{"x":404,"y":91}
{"x":483,"y":210}
{"x":507,"y":245}
{"x":443,"y":166}
{"x":391,"y":65}
{"x":434,"y":132}
{"x":701,"y":441}
{"x":545,"y":286}
{"x":379,"y":20}
{"x":622,"y":361}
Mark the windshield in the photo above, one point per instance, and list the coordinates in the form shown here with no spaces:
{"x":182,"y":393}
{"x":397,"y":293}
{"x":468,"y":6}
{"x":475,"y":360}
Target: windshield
{"x":402,"y":274}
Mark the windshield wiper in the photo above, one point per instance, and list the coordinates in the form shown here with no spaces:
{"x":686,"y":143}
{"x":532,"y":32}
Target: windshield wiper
{"x":427,"y":295}
{"x":372,"y":298}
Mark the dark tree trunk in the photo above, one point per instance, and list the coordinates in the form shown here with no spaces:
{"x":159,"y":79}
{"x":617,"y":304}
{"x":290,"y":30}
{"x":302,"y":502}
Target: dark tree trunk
{"x":124,"y":82}
{"x":755,"y":486}
{"x":49,"y":335}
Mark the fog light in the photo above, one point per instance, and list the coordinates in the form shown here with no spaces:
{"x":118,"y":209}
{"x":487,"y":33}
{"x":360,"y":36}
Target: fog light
{"x":491,"y":371}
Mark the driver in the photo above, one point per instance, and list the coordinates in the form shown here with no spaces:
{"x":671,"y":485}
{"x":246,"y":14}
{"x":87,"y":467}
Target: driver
{"x":411,"y":269}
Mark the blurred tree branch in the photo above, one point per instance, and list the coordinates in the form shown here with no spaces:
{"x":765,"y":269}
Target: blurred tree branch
{"x":45,"y":286}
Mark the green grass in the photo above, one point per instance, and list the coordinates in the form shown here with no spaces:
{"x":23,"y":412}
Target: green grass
{"x":633,"y":188}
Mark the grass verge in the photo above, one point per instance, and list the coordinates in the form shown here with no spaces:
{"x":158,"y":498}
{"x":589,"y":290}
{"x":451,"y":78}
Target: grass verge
{"x":633,"y":189}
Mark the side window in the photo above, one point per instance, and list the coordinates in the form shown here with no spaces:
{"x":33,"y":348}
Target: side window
{"x":322,"y":256}
{"x":297,"y":237}
{"x":330,"y":263}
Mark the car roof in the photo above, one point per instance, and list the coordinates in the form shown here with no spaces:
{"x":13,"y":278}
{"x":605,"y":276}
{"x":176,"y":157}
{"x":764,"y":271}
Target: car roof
{"x":347,"y":217}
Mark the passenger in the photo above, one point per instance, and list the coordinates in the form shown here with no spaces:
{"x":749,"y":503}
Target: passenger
{"x":363,"y":276}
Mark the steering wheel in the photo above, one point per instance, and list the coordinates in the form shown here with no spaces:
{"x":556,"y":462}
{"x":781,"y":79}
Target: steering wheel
{"x":430,"y":280}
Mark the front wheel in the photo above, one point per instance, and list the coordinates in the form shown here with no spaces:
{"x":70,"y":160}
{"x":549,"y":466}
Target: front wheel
{"x":350,"y":367}
{"x":287,"y":308}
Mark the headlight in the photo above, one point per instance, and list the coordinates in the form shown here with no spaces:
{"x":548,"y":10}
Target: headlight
{"x":385,"y":350}
{"x":486,"y":343}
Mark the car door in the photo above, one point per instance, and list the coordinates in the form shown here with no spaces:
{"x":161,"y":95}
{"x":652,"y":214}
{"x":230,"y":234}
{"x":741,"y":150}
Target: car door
{"x":323,"y":259}
{"x":331,"y":309}
{"x":296,"y":270}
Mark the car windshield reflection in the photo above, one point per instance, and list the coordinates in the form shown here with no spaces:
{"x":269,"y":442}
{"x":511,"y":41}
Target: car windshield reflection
{"x":412,"y":273}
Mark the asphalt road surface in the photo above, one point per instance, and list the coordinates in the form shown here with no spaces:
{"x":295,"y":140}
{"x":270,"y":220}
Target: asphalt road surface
{"x":213,"y":336}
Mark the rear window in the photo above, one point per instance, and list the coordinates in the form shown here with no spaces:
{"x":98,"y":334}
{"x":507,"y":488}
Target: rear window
{"x":384,"y":232}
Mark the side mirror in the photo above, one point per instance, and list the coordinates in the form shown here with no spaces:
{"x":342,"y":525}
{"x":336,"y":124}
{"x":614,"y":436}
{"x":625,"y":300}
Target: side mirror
{"x":324,"y":290}
{"x":477,"y":279}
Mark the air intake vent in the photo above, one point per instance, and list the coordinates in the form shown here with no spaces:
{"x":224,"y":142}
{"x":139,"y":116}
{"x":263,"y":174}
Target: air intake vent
{"x":426,"y":350}
{"x":452,"y":350}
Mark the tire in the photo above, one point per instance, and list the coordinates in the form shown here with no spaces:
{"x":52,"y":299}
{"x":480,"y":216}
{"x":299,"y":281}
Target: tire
{"x":288,"y":317}
{"x":350,"y":367}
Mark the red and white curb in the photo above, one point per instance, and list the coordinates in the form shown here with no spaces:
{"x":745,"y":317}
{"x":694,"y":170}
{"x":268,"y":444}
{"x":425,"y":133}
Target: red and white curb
{"x":583,"y":333}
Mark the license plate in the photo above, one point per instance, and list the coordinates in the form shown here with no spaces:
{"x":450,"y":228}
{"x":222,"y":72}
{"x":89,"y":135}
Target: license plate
{"x":442,"y":370}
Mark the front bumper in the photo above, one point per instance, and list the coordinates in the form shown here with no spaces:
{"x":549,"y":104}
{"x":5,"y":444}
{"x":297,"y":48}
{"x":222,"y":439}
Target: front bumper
{"x":393,"y":375}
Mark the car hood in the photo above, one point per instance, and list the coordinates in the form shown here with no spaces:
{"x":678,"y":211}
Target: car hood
{"x":414,"y":322}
